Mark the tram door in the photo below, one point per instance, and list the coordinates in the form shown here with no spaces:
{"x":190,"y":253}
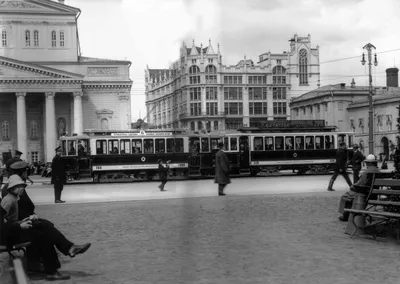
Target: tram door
{"x":244,"y":152}
{"x":194,"y":156}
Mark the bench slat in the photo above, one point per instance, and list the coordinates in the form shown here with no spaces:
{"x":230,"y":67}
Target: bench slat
{"x":386,"y":192}
{"x":387,"y":182}
{"x":384,"y":203}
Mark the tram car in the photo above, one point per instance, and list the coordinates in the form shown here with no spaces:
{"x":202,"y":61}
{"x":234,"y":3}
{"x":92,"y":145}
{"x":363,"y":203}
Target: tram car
{"x":110,"y":156}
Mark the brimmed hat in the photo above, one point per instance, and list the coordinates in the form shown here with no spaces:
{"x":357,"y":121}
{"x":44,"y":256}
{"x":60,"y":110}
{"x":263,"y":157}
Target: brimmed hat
{"x":370,"y":159}
{"x":356,"y":146}
{"x":19,"y":165}
{"x":18,"y":152}
{"x":15,"y":180}
{"x":58,"y":149}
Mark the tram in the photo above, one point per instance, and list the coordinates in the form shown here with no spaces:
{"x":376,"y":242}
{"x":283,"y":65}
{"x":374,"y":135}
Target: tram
{"x":110,"y":156}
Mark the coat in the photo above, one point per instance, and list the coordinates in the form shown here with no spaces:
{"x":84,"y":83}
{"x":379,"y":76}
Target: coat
{"x":58,"y":170}
{"x":163,"y":172}
{"x":356,"y":160}
{"x":221,"y":168}
{"x":341,"y":160}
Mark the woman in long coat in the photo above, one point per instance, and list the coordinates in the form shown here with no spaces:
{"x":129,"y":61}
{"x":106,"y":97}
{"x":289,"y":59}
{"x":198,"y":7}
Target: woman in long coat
{"x":221,"y":170}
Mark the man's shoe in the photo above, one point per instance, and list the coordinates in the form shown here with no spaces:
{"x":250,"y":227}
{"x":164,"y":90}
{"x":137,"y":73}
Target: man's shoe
{"x":331,"y":189}
{"x":221,"y":194}
{"x":59,"y":201}
{"x":35,"y":268}
{"x":57,"y":276}
{"x":341,"y":218}
{"x":163,"y":189}
{"x":78,"y":249}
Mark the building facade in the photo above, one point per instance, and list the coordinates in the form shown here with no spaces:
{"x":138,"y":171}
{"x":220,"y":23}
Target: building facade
{"x":47,"y":89}
{"x":347,"y":109}
{"x":199,"y":93}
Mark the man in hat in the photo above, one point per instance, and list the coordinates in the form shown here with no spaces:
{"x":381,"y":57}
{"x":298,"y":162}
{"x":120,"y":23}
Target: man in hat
{"x":340,"y":166}
{"x":221,"y":170}
{"x":162,"y":173}
{"x":58,"y":176}
{"x":16,"y":158}
{"x":362,"y":186}
{"x":356,"y":161}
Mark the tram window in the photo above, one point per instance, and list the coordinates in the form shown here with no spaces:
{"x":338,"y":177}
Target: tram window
{"x":269,"y":143}
{"x":113,"y":146}
{"x":351,"y":143}
{"x":170,"y":145}
{"x":278,"y":143}
{"x":194,"y":145}
{"x":309,"y":142}
{"x":341,"y":138}
{"x":101,"y":147}
{"x":205,"y":145}
{"x":148,"y":146}
{"x":136,"y":146}
{"x":289,"y":143}
{"x":226,"y":144}
{"x":160,"y":146}
{"x":214,"y":143}
{"x":319,"y":142}
{"x":299,"y":143}
{"x":329,"y":142}
{"x":258,"y":144}
{"x":63,"y":147}
{"x":179,"y":145}
{"x":71,"y":148}
{"x":125,"y":146}
{"x":234,"y":144}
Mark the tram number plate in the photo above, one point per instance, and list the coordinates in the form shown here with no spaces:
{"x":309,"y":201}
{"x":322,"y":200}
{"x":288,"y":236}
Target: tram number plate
{"x":98,"y":167}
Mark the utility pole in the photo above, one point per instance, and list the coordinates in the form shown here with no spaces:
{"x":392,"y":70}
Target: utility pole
{"x":369,"y":48}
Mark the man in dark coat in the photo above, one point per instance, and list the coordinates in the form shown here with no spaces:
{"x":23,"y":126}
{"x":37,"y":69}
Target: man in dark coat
{"x":221,"y":170}
{"x":162,"y":173}
{"x":14,"y":159}
{"x":340,"y":166}
{"x":356,"y":161}
{"x":58,"y":176}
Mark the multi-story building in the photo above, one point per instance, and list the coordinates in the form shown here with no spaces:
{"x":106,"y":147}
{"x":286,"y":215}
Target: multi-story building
{"x":347,"y":108}
{"x":198,"y":92}
{"x":47,"y":88}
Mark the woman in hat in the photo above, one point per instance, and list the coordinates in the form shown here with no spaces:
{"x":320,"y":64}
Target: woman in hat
{"x":43,"y":237}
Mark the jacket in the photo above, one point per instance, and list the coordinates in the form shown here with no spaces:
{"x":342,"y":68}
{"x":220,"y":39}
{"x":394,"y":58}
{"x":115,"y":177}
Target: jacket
{"x":341,"y":160}
{"x":356,"y":160}
{"x":58,"y":170}
{"x":163,"y":171}
{"x":221,"y":168}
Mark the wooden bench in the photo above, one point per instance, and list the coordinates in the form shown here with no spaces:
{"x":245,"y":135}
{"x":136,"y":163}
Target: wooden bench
{"x":17,"y":247}
{"x":383,"y":205}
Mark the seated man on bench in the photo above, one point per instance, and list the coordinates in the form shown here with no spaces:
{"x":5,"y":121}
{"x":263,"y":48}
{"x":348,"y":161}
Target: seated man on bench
{"x":361,"y":186}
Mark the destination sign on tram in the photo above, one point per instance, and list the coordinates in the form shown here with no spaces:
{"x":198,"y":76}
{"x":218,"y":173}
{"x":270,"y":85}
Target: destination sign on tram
{"x":142,"y":133}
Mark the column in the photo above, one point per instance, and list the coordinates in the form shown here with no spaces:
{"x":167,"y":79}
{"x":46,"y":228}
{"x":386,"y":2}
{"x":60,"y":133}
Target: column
{"x":51,"y":133}
{"x":21,"y":126}
{"x":78,"y":114}
{"x":203,"y":101}
{"x":246,"y":115}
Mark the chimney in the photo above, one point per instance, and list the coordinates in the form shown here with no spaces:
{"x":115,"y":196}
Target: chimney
{"x":353,"y":84}
{"x":342,"y":85}
{"x":392,"y":77}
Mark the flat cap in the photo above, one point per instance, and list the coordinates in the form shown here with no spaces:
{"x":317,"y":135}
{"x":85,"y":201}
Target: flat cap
{"x":19,"y":165}
{"x":18,"y":152}
{"x":58,"y":149}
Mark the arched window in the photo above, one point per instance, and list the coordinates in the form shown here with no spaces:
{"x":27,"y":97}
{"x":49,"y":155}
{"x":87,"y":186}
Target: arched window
{"x":62,"y":39}
{"x":3,"y":38}
{"x":211,"y":74}
{"x":194,"y":75}
{"x":36,"y":38}
{"x":211,"y":69}
{"x":53,"y":39}
{"x":215,"y":125}
{"x":278,"y":75}
{"x":5,"y":130}
{"x":34,"y":129}
{"x":303,"y":67}
{"x":199,"y":125}
{"x":279,"y":70}
{"x":104,"y":124}
{"x":192,"y":126}
{"x":27,"y":38}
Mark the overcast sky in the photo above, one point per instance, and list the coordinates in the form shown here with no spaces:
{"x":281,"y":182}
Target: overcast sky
{"x":150,"y":33}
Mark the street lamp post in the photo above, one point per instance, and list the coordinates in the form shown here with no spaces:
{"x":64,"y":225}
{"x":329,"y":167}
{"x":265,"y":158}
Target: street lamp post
{"x":369,"y":48}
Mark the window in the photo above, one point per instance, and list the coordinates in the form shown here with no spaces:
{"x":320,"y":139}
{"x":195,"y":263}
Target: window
{"x":34,"y":157}
{"x":62,"y":39}
{"x":195,"y":94}
{"x":192,"y":126}
{"x":113,"y":146}
{"x":194,"y":75}
{"x":53,"y":39}
{"x":211,"y":69}
{"x":279,"y":93}
{"x":280,"y":108}
{"x":269,"y":143}
{"x":257,"y":93}
{"x":136,"y":146}
{"x":3,"y":38}
{"x":215,"y":125}
{"x":233,"y":93}
{"x":5,"y":130}
{"x":278,"y":143}
{"x":258,"y":144}
{"x":329,"y":142}
{"x":148,"y":146}
{"x":27,"y":38}
{"x":71,"y":148}
{"x":199,"y":125}
{"x":101,"y":147}
{"x":211,"y":93}
{"x":232,"y":79}
{"x":34,"y":129}
{"x":179,"y":145}
{"x":205,"y":145}
{"x":212,"y":108}
{"x":233,"y":108}
{"x":257,"y":80}
{"x":278,"y":76}
{"x":35,"y":38}
{"x":234,"y":143}
{"x":289,"y":145}
{"x":309,"y":142}
{"x":125,"y":146}
{"x":319,"y":142}
{"x":258,"y":108}
{"x":299,"y":143}
{"x":160,"y":146}
{"x":104,"y":124}
{"x":303,"y":67}
{"x":195,"y":109}
{"x":278,"y":61}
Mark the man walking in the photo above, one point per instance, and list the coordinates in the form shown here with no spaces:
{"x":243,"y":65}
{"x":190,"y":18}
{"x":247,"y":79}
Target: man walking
{"x":356,"y":161}
{"x":221,"y":170}
{"x":340,"y":166}
{"x":58,"y":176}
{"x":163,"y":174}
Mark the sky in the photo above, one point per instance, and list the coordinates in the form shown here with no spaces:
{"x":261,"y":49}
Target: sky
{"x":150,"y":33}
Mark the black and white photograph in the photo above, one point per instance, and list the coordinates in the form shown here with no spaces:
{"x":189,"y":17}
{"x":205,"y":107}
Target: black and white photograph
{"x":199,"y":141}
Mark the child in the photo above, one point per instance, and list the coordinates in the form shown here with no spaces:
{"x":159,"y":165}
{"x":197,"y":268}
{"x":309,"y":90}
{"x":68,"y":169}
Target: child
{"x":162,"y":173}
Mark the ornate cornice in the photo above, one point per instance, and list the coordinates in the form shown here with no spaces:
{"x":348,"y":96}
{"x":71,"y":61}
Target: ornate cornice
{"x":103,"y":86}
{"x":20,"y":94}
{"x":78,"y":94}
{"x":37,"y":23}
{"x":40,"y":81}
{"x":49,"y":95}
{"x":31,"y":69}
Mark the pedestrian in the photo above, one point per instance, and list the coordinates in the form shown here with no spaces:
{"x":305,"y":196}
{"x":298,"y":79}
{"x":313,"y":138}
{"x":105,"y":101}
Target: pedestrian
{"x":392,"y":150}
{"x":43,"y":235}
{"x":361,"y":186}
{"x":1,"y":173}
{"x":16,"y":158}
{"x":340,"y":166}
{"x":356,"y":161}
{"x":221,"y":170}
{"x":58,"y":176}
{"x":163,"y":173}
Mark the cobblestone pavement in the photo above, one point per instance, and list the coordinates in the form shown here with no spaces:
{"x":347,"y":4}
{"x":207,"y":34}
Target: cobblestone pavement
{"x":233,"y":239}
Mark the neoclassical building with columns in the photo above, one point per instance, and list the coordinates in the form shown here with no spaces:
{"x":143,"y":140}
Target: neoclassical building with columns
{"x":47,"y":89}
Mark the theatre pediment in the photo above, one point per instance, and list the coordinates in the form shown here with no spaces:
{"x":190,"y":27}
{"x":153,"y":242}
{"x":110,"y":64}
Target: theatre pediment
{"x":36,"y":6}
